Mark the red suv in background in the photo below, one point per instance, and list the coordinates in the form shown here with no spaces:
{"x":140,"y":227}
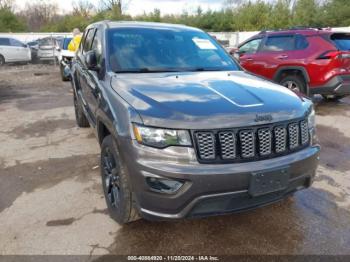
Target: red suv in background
{"x":311,"y":61}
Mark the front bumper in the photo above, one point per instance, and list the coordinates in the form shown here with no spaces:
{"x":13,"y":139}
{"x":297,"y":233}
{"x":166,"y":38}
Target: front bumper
{"x":209,"y":189}
{"x":338,"y":85}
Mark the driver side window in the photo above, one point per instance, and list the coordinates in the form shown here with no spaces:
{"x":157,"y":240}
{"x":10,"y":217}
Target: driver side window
{"x":251,"y":47}
{"x":16,"y":43}
{"x":97,"y":45}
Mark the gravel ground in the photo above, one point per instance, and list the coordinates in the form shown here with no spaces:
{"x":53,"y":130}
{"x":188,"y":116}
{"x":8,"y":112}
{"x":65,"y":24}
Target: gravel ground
{"x":51,"y":200}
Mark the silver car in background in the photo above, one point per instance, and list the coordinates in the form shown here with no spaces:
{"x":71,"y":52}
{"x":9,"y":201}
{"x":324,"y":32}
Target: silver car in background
{"x":48,"y":49}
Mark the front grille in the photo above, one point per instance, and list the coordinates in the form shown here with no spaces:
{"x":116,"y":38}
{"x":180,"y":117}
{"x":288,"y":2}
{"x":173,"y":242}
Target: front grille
{"x":251,"y":144}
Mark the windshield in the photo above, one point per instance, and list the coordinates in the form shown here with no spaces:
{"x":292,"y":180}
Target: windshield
{"x":46,"y":42}
{"x":342,"y":41}
{"x":165,"y":50}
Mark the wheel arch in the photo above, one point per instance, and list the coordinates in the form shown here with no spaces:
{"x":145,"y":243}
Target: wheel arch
{"x":286,"y":70}
{"x":1,"y":55}
{"x":102,"y":131}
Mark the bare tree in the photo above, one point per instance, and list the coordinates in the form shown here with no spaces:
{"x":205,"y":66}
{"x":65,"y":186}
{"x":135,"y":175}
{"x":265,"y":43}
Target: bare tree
{"x":38,"y":14}
{"x":6,"y":4}
{"x":231,"y":3}
{"x":119,"y":5}
{"x":83,"y":8}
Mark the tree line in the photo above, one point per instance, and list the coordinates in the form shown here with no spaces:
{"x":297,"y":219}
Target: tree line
{"x":235,"y":15}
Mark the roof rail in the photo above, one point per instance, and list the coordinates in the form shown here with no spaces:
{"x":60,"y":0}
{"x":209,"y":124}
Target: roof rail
{"x":293,"y":28}
{"x":304,"y":28}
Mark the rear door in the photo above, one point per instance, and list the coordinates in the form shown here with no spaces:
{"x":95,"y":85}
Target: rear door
{"x":276,"y":50}
{"x":84,"y":75}
{"x":281,"y":50}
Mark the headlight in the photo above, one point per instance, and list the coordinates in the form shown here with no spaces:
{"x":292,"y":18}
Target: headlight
{"x":161,"y":138}
{"x":311,"y":119}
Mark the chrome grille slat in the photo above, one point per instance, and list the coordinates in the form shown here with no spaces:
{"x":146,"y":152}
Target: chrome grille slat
{"x":293,"y":135}
{"x":247,"y":141}
{"x":228,"y":144}
{"x":265,"y":141}
{"x":206,"y":145}
{"x":280,"y":139}
{"x":304,"y":130}
{"x":250,"y":144}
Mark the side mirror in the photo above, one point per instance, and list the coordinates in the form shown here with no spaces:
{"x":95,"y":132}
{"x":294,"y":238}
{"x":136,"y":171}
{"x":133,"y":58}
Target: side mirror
{"x":91,"y":60}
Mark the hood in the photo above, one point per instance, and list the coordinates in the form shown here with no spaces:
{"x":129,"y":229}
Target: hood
{"x":208,"y":100}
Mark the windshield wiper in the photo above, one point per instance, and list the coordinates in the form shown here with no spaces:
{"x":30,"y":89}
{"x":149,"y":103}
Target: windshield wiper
{"x":170,"y":70}
{"x":146,"y":70}
{"x":202,"y":69}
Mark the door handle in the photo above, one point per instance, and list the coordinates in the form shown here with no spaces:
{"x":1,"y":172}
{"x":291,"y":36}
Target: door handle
{"x":281,"y":57}
{"x":249,"y":59}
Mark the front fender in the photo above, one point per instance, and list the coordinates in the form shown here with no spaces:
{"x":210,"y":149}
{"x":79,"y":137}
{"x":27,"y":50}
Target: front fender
{"x":115,"y":114}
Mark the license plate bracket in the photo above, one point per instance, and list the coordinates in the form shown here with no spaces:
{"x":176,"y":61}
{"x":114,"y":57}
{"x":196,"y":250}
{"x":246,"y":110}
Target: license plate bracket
{"x":269,"y":181}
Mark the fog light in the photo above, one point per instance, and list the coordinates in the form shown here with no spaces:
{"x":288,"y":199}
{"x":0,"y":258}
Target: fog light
{"x":163,"y":185}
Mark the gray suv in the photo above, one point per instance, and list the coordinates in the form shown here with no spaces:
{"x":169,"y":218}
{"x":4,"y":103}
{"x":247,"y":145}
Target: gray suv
{"x":184,"y":131}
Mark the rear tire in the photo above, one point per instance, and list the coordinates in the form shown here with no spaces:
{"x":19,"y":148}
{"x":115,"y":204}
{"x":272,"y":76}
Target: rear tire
{"x":295,"y":83}
{"x":63,"y":77}
{"x":115,"y":182}
{"x":2,"y":60}
{"x":79,"y":114}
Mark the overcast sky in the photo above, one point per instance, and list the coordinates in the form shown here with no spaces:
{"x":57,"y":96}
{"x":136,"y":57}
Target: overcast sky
{"x":139,"y":6}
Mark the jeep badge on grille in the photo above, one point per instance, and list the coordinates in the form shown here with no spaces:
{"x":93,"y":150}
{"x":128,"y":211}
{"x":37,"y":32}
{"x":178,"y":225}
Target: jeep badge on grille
{"x":261,"y":118}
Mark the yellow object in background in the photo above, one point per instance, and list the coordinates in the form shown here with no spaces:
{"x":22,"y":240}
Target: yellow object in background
{"x":74,"y":43}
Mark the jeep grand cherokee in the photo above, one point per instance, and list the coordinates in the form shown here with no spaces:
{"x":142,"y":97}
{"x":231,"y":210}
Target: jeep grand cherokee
{"x":184,"y":131}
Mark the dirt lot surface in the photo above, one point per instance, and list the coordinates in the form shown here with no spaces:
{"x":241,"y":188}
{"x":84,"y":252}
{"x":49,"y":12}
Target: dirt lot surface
{"x":51,"y":200}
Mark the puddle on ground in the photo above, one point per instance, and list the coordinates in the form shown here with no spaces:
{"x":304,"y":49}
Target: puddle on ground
{"x":42,"y":174}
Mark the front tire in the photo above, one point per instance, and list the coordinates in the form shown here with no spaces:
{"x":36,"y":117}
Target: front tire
{"x":63,"y":77}
{"x":115,"y":182}
{"x":295,"y":83}
{"x":2,"y":60}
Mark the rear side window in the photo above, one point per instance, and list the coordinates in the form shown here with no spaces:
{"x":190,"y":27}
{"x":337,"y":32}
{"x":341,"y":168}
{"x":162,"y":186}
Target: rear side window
{"x":301,"y":42}
{"x":279,"y":43}
{"x":341,"y":41}
{"x":4,"y":41}
{"x":251,"y":47}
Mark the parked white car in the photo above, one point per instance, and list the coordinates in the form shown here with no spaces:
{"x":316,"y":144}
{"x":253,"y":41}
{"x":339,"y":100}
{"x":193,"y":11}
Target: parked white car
{"x":13,"y":50}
